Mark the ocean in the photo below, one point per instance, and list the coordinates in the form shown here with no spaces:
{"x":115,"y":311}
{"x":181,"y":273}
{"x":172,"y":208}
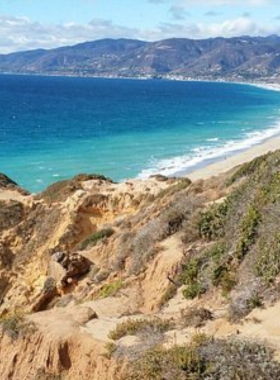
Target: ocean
{"x":52,"y":128}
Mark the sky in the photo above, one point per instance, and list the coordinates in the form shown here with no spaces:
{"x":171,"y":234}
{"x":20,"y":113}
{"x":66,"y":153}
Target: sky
{"x":32,"y":24}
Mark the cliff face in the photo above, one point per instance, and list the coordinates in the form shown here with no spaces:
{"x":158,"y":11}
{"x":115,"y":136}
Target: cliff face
{"x":94,"y":275}
{"x":82,"y":221}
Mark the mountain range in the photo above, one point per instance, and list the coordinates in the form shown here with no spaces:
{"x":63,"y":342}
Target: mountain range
{"x":239,"y":58}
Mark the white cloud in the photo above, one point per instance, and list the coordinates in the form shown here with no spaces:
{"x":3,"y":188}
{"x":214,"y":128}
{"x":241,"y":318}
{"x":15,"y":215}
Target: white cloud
{"x":19,"y":33}
{"x":22,"y":34}
{"x":239,"y":27}
{"x":231,"y":28}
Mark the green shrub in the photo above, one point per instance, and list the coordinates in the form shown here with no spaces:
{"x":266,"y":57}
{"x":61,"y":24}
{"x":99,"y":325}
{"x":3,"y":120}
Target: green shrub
{"x":190,"y":277}
{"x":194,"y":290}
{"x":191,"y":270}
{"x":219,"y":267}
{"x":159,"y":363}
{"x":267,"y":265}
{"x":218,"y":274}
{"x":222,"y":273}
{"x":216,"y":252}
{"x":205,"y":358}
{"x":248,"y":231}
{"x":211,"y":265}
{"x":270,"y":191}
{"x":111,"y":348}
{"x":211,"y":222}
{"x":182,"y":184}
{"x":92,"y":240}
{"x":247,"y":169}
{"x":228,"y":282}
{"x":111,"y":289}
{"x":139,"y":326}
{"x":254,"y":301}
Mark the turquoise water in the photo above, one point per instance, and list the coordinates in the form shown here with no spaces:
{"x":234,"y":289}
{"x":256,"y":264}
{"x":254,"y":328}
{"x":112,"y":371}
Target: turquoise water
{"x":52,"y":128}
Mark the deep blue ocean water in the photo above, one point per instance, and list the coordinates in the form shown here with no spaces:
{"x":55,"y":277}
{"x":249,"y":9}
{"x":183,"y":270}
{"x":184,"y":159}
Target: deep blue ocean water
{"x":52,"y":128}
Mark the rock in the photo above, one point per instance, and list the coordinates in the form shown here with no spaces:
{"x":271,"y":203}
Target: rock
{"x":56,"y":270}
{"x":48,"y":293}
{"x":6,"y":182}
{"x":58,"y":256}
{"x":68,"y":299}
{"x":11,"y":214}
{"x":6,"y":256}
{"x":61,"y":190}
{"x":65,"y":266}
{"x":159,"y":177}
{"x":84,"y":315}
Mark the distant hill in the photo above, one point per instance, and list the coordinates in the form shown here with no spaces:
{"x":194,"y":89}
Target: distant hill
{"x":244,"y":58}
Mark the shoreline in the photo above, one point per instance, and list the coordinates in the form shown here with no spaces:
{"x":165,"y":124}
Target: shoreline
{"x":218,"y":160}
{"x":226,"y":164}
{"x":240,"y":152}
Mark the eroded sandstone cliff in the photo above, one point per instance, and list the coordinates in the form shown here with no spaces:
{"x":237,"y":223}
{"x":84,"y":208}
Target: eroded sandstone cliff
{"x":95,"y":275}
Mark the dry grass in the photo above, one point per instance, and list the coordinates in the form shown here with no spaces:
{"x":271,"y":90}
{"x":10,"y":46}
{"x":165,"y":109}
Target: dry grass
{"x":94,"y":238}
{"x":16,"y":326}
{"x":140,"y":327}
{"x":195,"y":317}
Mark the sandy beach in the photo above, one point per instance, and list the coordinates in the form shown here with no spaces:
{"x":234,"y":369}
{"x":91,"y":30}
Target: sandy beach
{"x":227,"y":164}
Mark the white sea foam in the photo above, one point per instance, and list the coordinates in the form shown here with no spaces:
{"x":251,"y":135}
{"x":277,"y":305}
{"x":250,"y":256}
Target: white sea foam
{"x":213,"y":139}
{"x":264,"y":86}
{"x":267,"y":86}
{"x":206,"y":154}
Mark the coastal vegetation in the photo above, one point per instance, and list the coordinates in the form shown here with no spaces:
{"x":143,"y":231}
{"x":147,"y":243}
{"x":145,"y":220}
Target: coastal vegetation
{"x":205,"y":358}
{"x":109,"y":290}
{"x":92,"y":239}
{"x":140,"y":327}
{"x":145,"y":279}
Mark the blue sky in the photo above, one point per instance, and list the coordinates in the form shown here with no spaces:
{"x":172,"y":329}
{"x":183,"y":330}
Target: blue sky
{"x":30,"y":24}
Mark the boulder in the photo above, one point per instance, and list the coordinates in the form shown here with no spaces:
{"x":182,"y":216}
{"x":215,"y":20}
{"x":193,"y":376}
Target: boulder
{"x":84,"y":315}
{"x":65,"y":266}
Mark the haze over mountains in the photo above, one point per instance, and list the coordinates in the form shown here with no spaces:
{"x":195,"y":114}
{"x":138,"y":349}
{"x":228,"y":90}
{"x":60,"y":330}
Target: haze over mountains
{"x":240,"y":58}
